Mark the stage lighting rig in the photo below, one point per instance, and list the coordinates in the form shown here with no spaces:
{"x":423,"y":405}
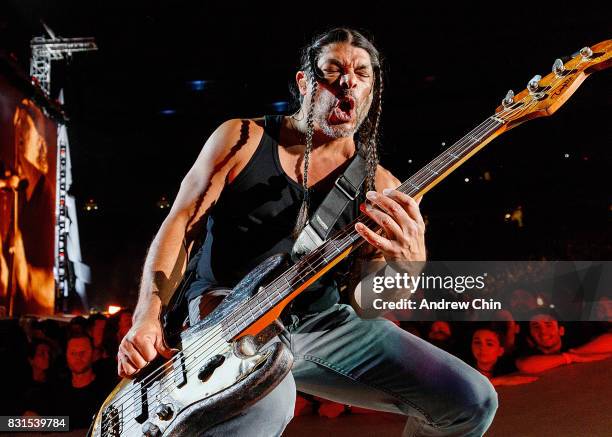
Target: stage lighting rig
{"x":45,"y":50}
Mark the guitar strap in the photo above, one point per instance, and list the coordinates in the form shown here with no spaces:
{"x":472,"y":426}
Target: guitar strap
{"x":337,"y":203}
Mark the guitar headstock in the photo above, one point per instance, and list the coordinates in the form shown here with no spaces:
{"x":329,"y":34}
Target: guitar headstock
{"x":543,"y":96}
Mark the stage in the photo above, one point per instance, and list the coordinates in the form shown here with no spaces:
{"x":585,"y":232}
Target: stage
{"x":565,"y":402}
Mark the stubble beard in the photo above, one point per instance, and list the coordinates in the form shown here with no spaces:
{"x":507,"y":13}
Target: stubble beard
{"x":324,"y":105}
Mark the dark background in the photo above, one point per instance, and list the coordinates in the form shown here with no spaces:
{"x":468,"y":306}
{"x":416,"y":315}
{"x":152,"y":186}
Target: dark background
{"x":138,"y":119}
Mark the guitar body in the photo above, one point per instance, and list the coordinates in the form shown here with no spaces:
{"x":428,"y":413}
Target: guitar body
{"x":208,"y":381}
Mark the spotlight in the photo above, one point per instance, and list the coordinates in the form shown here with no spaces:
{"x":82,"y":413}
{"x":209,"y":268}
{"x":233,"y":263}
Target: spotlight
{"x":280,"y":106}
{"x":197,"y":85}
{"x":91,"y":205}
{"x":163,"y":203}
{"x":113,"y":309}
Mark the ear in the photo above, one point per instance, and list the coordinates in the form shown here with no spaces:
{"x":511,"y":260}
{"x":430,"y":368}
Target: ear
{"x":562,"y":331}
{"x":501,"y":352}
{"x":302,"y":82}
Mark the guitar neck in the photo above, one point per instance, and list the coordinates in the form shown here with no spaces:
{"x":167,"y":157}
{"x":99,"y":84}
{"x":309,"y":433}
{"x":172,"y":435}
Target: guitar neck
{"x":267,"y":304}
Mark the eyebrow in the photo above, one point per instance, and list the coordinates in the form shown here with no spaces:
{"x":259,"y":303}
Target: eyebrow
{"x":339,"y":64}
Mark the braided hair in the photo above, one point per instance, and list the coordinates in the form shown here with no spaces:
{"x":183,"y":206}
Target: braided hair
{"x":367,"y":135}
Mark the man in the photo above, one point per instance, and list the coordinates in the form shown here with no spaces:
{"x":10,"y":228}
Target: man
{"x":249,"y":183}
{"x":33,"y":242}
{"x":81,"y":397}
{"x":546,"y":349}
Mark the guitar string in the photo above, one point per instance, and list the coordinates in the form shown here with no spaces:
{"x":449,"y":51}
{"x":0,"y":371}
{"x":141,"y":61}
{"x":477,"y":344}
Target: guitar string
{"x":235,"y":317}
{"x":268,"y":296}
{"x":489,"y":121}
{"x":481,"y":135}
{"x":414,"y":177}
{"x":220,"y":342}
{"x":555,"y":81}
{"x":492,"y":123}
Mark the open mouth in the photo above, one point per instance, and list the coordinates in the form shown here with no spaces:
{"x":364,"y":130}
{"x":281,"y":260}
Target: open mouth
{"x":344,"y":111}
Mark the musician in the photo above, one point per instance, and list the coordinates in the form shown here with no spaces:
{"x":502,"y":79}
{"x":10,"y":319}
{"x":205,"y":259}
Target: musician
{"x":251,"y":181}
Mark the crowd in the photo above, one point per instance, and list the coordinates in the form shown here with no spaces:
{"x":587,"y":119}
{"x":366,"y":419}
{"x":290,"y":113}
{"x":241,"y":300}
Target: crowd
{"x":67,"y":369}
{"x":70,"y":368}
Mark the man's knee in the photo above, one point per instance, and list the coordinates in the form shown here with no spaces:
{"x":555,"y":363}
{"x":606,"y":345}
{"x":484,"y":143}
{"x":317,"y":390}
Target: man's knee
{"x":477,"y":406}
{"x":484,"y":410}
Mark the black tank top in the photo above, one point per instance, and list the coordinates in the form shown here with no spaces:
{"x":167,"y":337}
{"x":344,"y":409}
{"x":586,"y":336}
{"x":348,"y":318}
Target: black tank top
{"x":254,"y":219}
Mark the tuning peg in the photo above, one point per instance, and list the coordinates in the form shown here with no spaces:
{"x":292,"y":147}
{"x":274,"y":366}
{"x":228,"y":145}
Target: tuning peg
{"x":586,"y":52}
{"x":509,"y":99}
{"x":534,"y":83}
{"x":558,"y":68}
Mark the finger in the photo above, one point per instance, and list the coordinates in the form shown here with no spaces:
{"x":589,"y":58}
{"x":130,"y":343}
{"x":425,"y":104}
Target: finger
{"x":373,"y":238}
{"x":126,"y":369}
{"x":120,"y":368}
{"x":392,"y":229}
{"x":130,"y":352}
{"x":391,"y":207}
{"x":411,"y":205}
{"x":163,"y":349}
{"x":145,"y":345}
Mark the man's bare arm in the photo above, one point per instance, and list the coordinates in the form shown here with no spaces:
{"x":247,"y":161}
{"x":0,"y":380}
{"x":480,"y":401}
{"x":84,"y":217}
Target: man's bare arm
{"x":166,"y":258}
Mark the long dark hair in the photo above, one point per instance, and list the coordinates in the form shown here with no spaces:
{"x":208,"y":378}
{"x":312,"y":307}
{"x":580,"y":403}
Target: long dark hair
{"x":367,"y":135}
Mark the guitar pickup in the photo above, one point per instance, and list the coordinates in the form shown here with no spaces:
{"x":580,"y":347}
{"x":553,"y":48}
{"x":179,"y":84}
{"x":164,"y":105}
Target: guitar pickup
{"x":179,"y":370}
{"x":144,"y":405}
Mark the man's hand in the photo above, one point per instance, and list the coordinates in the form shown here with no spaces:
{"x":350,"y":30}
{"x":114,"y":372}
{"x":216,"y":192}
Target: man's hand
{"x":141,"y":344}
{"x":398,"y":215}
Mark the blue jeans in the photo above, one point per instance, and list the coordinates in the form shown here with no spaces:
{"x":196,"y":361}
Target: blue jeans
{"x":372,"y":364}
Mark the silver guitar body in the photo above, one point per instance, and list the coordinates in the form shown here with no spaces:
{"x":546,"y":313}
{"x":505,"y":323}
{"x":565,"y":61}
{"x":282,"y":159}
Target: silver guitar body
{"x":208,"y":381}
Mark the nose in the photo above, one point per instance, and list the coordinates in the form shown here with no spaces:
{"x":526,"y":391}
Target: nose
{"x":347,"y":80}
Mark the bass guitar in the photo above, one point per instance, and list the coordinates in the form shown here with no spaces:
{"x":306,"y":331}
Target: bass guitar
{"x":227,"y":362}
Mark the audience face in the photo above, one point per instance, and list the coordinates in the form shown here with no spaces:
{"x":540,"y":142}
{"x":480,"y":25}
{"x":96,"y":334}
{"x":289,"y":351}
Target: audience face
{"x":439,"y":331}
{"x":546,"y":333}
{"x":41,"y":359}
{"x":486,"y":348}
{"x":125,"y":323}
{"x":604,"y":309}
{"x":79,"y":355}
{"x":97,"y":332}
